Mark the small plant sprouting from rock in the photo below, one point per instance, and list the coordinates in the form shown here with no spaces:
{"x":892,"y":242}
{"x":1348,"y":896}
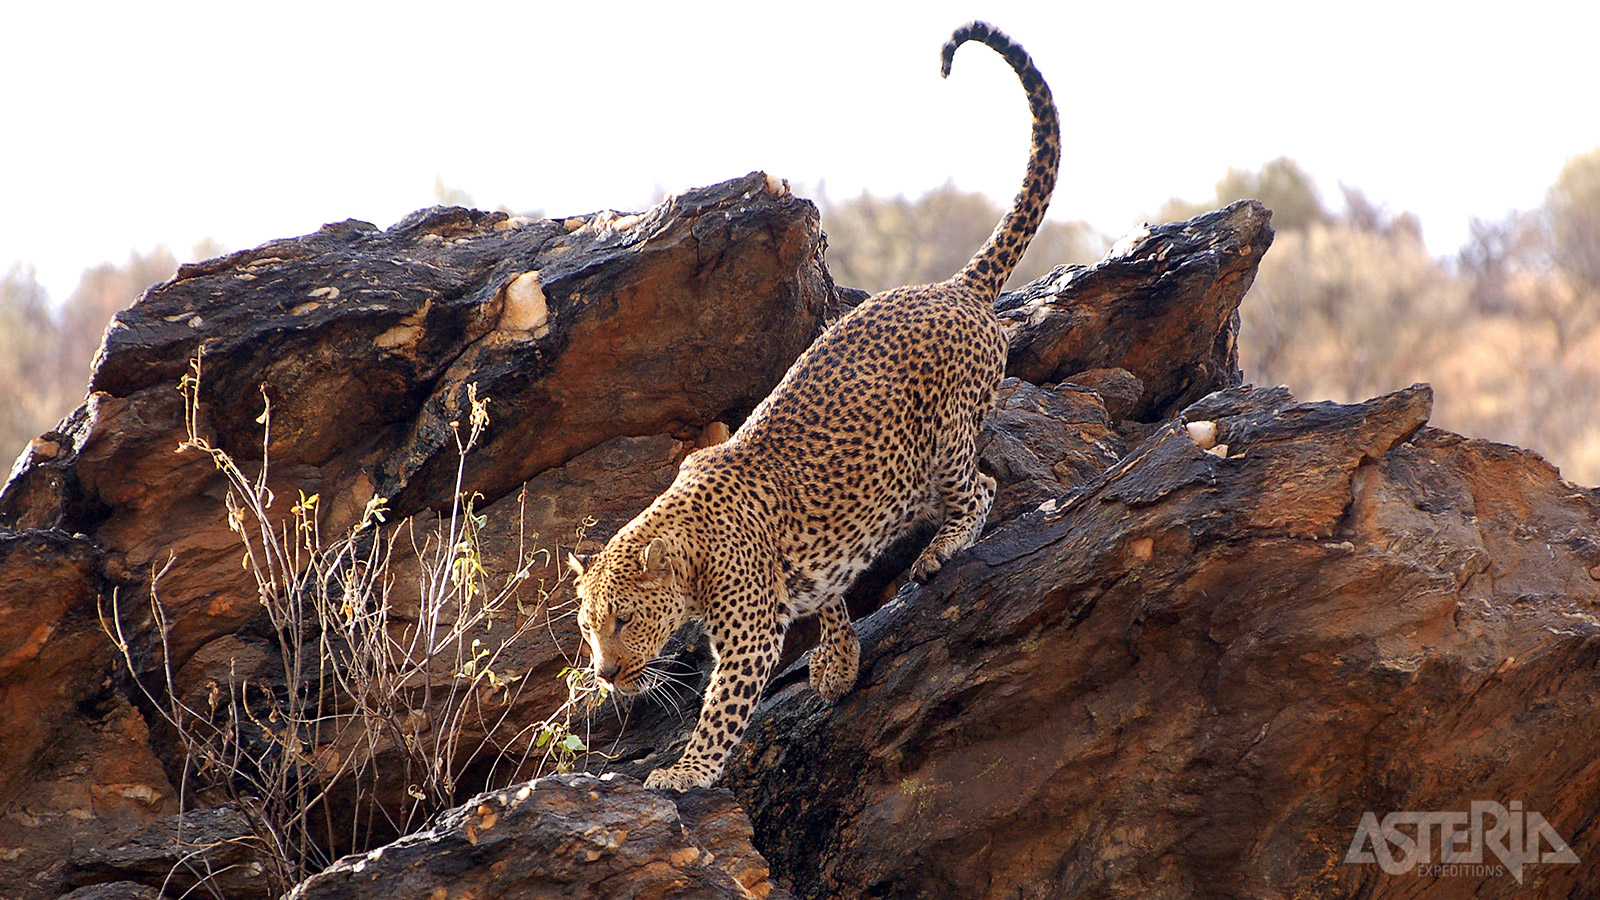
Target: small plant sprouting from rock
{"x":555,"y":732}
{"x":385,"y":700}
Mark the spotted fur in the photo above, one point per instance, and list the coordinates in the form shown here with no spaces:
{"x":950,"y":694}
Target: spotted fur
{"x":872,"y":429}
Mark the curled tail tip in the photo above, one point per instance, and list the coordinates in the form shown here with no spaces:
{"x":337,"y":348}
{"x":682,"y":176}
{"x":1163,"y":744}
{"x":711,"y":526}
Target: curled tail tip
{"x":972,"y":30}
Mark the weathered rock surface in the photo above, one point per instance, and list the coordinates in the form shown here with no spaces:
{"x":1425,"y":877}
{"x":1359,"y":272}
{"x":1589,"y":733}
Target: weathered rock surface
{"x":366,"y":341}
{"x":76,"y":765}
{"x":118,"y":890}
{"x":46,"y":573}
{"x":564,"y":836}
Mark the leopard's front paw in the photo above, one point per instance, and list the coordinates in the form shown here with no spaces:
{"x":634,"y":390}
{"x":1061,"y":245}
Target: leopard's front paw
{"x":928,"y":564}
{"x":679,"y":778}
{"x":834,"y":669}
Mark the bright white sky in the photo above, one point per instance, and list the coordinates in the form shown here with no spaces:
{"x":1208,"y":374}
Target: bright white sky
{"x":127,"y":125}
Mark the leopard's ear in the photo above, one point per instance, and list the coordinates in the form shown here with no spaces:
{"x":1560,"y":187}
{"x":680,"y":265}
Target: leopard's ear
{"x":576,"y":564}
{"x":656,"y":565}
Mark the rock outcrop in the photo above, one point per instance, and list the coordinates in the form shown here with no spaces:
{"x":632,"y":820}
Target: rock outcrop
{"x":1164,"y":306}
{"x":565,"y":836}
{"x":608,"y":344}
{"x":1209,"y":628}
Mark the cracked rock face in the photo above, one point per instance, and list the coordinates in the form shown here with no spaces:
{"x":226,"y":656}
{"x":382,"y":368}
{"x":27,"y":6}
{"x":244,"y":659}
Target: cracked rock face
{"x":366,"y":340}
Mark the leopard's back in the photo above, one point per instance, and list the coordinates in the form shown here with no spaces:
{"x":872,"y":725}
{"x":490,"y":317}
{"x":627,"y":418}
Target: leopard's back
{"x":847,"y":447}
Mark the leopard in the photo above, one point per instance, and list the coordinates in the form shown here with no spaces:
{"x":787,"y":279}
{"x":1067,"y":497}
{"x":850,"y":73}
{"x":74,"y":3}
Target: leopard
{"x":872,"y":431}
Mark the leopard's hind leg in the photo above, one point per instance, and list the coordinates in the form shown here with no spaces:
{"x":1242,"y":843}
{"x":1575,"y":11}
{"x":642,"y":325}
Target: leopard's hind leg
{"x":965,"y":495}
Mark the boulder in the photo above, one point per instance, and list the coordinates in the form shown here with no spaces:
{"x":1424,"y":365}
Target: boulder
{"x":214,"y":847}
{"x":1163,"y":305}
{"x":1039,"y":444}
{"x":580,"y":331}
{"x":568,"y":836}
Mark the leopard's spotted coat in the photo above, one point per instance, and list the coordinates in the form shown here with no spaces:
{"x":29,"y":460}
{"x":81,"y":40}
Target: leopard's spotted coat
{"x":874,"y":427}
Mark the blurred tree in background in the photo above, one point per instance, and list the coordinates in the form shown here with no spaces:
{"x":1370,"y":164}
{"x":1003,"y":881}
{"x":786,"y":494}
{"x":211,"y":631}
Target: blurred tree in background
{"x":46,"y":350}
{"x":30,"y":383}
{"x":1288,"y":190}
{"x":101,"y":293}
{"x":1348,"y":303}
{"x":1572,"y":209}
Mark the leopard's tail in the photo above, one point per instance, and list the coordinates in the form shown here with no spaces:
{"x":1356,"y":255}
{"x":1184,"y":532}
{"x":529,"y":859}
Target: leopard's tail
{"x":992,"y":265}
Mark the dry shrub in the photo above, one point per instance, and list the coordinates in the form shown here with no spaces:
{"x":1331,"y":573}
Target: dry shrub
{"x":377,"y":705}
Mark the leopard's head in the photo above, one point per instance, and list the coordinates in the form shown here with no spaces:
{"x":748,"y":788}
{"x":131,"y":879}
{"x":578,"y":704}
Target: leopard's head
{"x":631,"y":599}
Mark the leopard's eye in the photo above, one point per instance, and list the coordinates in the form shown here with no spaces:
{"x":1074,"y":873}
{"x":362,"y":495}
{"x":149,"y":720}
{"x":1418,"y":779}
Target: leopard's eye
{"x":621,"y":621}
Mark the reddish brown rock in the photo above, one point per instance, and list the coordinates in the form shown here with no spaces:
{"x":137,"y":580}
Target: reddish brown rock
{"x":46,"y":633}
{"x":1118,"y":389}
{"x":76,"y":766}
{"x":95,"y":781}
